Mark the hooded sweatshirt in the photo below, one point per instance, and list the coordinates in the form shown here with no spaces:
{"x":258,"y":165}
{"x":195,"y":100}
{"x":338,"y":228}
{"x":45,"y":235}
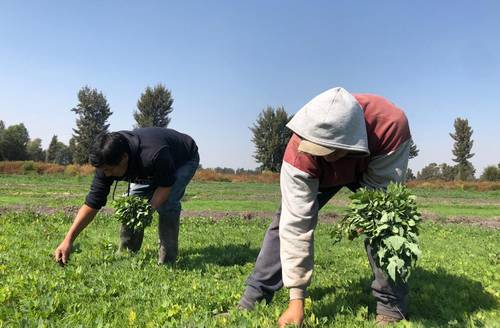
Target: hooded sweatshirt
{"x":377,"y":136}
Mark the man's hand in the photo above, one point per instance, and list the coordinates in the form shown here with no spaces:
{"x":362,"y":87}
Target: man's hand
{"x":83,"y":218}
{"x":62,"y":252}
{"x":294,"y":315}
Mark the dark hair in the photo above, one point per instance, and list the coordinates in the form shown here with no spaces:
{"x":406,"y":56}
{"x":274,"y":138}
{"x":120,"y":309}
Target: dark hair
{"x":108,"y":148}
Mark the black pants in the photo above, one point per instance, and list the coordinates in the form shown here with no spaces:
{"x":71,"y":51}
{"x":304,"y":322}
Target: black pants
{"x":266,"y":278}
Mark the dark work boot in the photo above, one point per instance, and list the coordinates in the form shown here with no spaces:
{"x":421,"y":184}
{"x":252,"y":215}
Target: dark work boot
{"x":168,"y":233}
{"x":130,"y":240}
{"x":384,"y":320}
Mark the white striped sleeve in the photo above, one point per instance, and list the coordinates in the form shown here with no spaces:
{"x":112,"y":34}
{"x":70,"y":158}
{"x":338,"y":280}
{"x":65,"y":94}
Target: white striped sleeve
{"x":387,"y":168}
{"x":299,"y":212}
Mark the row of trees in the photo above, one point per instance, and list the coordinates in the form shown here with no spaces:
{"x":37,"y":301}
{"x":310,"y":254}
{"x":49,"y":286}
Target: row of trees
{"x":270,"y":137}
{"x":154,"y":106}
{"x":93,"y":112}
{"x":446,"y":172}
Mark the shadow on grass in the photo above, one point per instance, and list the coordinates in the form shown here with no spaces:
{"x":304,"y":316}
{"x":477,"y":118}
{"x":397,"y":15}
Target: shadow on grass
{"x":222,"y":255}
{"x":436,"y":298}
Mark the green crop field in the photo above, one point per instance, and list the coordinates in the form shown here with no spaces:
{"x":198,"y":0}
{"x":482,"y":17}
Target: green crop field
{"x":456,"y":283}
{"x":58,"y":191}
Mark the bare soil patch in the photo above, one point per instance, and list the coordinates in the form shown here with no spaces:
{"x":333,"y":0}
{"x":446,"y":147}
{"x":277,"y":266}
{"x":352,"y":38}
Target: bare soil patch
{"x":489,"y":223}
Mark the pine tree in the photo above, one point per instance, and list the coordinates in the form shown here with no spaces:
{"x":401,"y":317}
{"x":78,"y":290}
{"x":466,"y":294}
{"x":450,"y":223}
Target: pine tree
{"x":93,"y":111}
{"x":153,"y":107}
{"x":2,"y":130}
{"x":63,"y":155}
{"x":462,"y":149}
{"x":270,"y":136}
{"x":52,"y":151}
{"x":58,"y":152}
{"x":413,"y":150}
{"x":35,"y":151}
{"x":410,"y":175}
{"x":72,"y":149}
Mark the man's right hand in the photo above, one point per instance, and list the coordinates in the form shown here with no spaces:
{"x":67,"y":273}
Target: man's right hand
{"x":62,"y":252}
{"x":83,"y":217}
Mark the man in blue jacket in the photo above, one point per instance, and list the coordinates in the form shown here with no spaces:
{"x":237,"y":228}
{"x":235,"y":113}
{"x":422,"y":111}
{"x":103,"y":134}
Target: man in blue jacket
{"x":158,"y":163}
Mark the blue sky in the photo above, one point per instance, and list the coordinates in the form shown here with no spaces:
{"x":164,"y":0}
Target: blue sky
{"x":225,"y":61}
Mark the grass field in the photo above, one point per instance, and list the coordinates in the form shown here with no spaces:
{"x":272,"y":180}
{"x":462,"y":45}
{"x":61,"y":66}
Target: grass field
{"x":456,"y":284}
{"x":57,"y":191}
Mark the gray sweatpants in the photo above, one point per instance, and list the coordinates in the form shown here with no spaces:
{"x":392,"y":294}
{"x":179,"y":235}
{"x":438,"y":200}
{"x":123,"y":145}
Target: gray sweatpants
{"x":266,"y":279}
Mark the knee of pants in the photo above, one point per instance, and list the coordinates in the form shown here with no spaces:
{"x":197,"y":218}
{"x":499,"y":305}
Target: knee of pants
{"x":168,"y":210}
{"x":381,"y":285}
{"x":389,"y":288}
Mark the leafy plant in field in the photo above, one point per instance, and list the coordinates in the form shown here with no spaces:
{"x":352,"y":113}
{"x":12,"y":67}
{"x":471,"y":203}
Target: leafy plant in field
{"x":133,"y":211}
{"x":389,"y":221}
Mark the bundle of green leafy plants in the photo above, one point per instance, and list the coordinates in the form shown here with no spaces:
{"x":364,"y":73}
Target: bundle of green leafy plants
{"x":133,"y":211}
{"x":389,"y":220}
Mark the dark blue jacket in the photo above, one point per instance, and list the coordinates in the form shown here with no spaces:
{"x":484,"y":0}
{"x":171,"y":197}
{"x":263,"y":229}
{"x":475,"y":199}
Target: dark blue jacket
{"x":154,"y":156}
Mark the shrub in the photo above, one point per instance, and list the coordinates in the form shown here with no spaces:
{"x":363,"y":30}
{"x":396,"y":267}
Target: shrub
{"x":490,"y":173}
{"x":28,"y":166}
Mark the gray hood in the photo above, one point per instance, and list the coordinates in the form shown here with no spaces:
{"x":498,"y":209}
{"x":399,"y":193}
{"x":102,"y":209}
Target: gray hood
{"x":333,"y":119}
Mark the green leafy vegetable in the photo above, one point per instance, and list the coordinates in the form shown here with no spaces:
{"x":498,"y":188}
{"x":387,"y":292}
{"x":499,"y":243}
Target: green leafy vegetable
{"x":389,"y":221}
{"x":133,"y":211}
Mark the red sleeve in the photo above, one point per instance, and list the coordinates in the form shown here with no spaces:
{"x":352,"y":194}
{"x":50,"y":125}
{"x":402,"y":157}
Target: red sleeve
{"x":302,"y":161}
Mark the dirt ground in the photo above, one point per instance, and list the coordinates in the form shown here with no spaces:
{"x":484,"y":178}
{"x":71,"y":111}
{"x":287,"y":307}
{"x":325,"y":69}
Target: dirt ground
{"x":489,"y":223}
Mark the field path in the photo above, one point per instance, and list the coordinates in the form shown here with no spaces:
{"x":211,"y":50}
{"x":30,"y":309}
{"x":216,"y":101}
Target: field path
{"x":325,"y":217}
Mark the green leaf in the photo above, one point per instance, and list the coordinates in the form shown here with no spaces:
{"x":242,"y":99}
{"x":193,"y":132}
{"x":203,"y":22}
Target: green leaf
{"x":394,"y":267}
{"x":395,"y":242}
{"x":414,"y":249}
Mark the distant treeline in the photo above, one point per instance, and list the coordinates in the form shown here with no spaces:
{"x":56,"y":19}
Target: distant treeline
{"x":154,"y":108}
{"x":227,"y":175}
{"x":202,"y":174}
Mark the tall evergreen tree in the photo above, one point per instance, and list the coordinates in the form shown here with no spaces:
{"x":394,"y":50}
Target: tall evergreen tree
{"x":35,"y":151}
{"x":72,"y":149}
{"x":270,"y":136}
{"x":410,"y":175}
{"x":52,"y":151}
{"x":93,"y":111}
{"x":413,"y":150}
{"x":14,"y":142}
{"x":58,"y":152}
{"x":153,"y":107}
{"x":63,"y":155}
{"x":462,"y":149}
{"x":2,"y":130}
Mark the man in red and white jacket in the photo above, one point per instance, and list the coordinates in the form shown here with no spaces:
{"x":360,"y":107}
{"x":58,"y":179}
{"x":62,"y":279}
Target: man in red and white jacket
{"x":339,"y":140}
